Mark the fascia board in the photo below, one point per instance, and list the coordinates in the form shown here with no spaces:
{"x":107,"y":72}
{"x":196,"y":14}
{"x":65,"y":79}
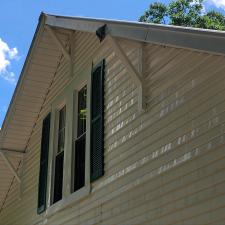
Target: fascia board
{"x":189,"y":40}
{"x":183,"y":37}
{"x":79,"y":25}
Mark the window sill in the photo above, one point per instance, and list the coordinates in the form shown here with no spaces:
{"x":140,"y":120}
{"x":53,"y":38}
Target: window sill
{"x":67,"y":201}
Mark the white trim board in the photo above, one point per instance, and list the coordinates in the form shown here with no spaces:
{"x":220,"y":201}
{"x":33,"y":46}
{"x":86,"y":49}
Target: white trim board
{"x":184,"y":37}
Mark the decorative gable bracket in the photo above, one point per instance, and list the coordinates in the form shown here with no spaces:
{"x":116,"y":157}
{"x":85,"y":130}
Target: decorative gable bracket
{"x":3,"y":154}
{"x":103,"y":33}
{"x":59,"y":43}
{"x":135,"y":75}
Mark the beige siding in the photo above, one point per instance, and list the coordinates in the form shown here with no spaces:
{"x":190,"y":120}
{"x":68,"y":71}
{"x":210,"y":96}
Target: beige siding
{"x":164,"y":166}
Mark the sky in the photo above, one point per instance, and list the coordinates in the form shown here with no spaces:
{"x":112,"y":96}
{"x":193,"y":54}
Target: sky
{"x":19,"y":18}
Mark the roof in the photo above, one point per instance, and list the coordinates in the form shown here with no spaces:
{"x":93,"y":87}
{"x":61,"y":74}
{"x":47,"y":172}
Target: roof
{"x":186,"y":37}
{"x":44,"y":56}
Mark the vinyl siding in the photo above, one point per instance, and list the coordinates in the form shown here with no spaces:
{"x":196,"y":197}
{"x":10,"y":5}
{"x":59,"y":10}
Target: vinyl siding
{"x":164,"y":166}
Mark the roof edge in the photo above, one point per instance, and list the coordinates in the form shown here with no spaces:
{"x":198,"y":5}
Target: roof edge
{"x":132,"y":23}
{"x":211,"y":41}
{"x":38,"y":31}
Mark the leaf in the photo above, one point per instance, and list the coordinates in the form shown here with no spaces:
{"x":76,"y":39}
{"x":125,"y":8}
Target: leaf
{"x":188,"y":13}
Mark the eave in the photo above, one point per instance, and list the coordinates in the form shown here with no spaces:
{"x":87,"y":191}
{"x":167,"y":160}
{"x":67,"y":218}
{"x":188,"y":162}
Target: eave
{"x":184,"y":37}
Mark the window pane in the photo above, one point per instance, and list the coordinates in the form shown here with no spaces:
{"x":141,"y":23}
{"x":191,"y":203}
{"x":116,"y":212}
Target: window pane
{"x":79,"y":173}
{"x":82,"y":102}
{"x":79,"y":150}
{"x":58,"y":179}
{"x":58,"y":184}
{"x":61,"y":131}
{"x":62,"y":118}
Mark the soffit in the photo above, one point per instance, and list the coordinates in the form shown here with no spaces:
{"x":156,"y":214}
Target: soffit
{"x":35,"y":80}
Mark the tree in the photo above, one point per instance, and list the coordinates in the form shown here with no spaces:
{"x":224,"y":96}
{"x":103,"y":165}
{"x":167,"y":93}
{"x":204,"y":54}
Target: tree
{"x":156,"y":13}
{"x":188,"y":13}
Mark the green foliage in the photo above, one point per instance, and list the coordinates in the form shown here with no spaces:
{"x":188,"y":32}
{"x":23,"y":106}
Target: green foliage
{"x":83,"y":114}
{"x":187,"y":13}
{"x":212,"y":20}
{"x":184,"y":13}
{"x":155,"y":14}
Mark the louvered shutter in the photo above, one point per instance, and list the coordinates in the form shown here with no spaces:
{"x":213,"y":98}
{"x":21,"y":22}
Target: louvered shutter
{"x":97,"y":122}
{"x":43,"y":164}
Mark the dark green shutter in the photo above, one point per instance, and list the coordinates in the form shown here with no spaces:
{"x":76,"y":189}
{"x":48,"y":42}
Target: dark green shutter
{"x":97,"y":121}
{"x":43,"y":164}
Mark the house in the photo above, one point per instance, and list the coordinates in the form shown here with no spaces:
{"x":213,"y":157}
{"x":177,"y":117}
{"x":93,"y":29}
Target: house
{"x":116,"y":122}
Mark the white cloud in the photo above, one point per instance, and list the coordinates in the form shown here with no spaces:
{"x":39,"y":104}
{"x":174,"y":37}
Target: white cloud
{"x":217,"y":3}
{"x":13,"y":53}
{"x":9,"y":76}
{"x":6,"y":55}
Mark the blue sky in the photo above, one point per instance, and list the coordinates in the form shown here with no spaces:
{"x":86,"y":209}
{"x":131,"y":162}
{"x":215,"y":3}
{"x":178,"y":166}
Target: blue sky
{"x":18,"y":20}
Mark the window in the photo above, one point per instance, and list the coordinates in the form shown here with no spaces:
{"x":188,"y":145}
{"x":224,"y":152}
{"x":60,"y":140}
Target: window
{"x":80,"y":141}
{"x":76,"y":141}
{"x":59,"y":158}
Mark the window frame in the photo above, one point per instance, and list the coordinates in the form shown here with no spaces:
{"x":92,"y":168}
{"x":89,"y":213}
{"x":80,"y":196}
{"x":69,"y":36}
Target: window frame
{"x":75,"y":136}
{"x":76,"y":85}
{"x":57,"y":105}
{"x":69,"y":97}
